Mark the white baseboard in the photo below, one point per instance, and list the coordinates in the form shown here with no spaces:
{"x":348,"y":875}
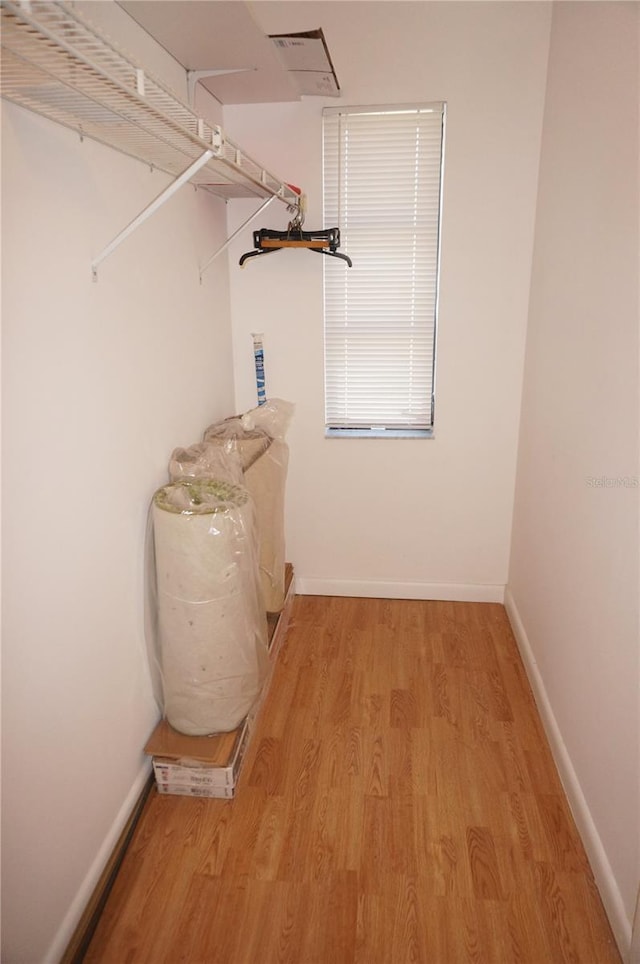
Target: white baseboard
{"x":310,"y":586}
{"x":634,"y":952}
{"x":604,"y":877}
{"x":85,"y":892}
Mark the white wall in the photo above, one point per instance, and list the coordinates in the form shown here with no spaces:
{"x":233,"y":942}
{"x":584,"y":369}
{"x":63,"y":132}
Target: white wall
{"x":100,"y":382}
{"x":574,"y":576}
{"x":407,"y":517}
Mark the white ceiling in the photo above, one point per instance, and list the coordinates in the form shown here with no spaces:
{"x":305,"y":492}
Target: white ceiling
{"x":218,"y":35}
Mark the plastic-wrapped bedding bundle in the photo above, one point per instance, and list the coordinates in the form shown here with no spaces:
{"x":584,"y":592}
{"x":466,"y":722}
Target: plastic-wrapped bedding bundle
{"x":265,"y":460}
{"x":203,"y":461}
{"x":212,"y":633}
{"x":265,"y":479}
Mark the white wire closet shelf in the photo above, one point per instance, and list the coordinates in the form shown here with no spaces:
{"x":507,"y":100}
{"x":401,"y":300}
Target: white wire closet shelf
{"x":60,"y":66}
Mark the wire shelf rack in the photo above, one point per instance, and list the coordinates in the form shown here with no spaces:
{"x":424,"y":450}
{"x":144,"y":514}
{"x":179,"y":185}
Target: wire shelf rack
{"x":57,"y":64}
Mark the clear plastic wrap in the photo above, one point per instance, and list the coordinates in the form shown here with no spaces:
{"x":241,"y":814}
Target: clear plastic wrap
{"x":210,"y":626}
{"x":204,"y":461}
{"x":258,"y":438}
{"x":273,"y":417}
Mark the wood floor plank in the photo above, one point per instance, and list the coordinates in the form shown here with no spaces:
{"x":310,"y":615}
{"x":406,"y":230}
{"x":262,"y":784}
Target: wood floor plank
{"x":398,"y":803}
{"x":485,"y":875}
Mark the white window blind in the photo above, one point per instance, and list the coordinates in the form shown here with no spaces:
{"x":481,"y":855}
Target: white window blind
{"x":382,"y":188}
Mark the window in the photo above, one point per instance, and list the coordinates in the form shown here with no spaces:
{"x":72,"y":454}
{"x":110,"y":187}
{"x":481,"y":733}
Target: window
{"x":382,"y":188}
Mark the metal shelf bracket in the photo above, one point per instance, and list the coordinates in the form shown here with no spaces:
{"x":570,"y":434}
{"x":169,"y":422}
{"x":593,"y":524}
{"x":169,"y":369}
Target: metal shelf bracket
{"x":161,"y":199}
{"x":193,"y":76}
{"x":226,"y":244}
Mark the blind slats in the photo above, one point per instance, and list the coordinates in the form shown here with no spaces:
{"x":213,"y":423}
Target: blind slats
{"x":382,"y":187}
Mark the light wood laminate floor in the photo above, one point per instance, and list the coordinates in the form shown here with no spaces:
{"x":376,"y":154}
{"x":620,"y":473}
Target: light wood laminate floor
{"x":398,"y":803}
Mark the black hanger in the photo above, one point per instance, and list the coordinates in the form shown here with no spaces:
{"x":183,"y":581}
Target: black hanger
{"x":323,"y":242}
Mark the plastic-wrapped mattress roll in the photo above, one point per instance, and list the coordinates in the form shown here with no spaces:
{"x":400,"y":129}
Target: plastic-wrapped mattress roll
{"x":265,"y":462}
{"x":212,"y":634}
{"x":266,"y":480}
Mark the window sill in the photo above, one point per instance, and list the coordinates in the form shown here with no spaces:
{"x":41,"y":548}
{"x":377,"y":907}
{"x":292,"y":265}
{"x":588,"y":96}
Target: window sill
{"x":421,"y":433}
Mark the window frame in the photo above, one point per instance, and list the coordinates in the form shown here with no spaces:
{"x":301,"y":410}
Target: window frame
{"x":374,"y":428}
